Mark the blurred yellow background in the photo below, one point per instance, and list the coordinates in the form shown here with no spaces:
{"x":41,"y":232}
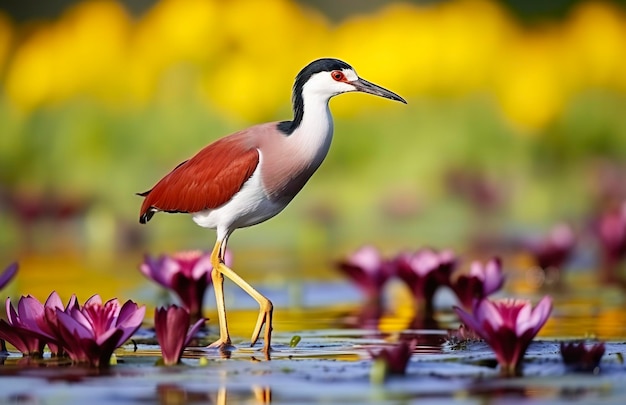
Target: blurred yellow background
{"x":513,"y":123}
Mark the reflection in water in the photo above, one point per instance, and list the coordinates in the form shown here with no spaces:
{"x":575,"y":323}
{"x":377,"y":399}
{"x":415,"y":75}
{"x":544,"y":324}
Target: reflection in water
{"x":490,"y":391}
{"x":173,"y":394}
{"x":426,"y":341}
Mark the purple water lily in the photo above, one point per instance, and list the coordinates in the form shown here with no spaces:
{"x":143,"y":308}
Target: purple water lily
{"x":580,"y":357}
{"x":424,"y":271}
{"x":173,"y":332}
{"x":92,"y":332}
{"x":507,"y":326}
{"x":188,"y":274}
{"x":481,"y":281}
{"x":396,"y":358}
{"x":15,"y":329}
{"x":552,"y":251}
{"x":28,"y":325}
{"x":369,"y":271}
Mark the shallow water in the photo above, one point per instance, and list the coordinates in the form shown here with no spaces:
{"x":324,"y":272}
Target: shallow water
{"x":332,"y":362}
{"x":332,"y":366}
{"x":329,"y":365}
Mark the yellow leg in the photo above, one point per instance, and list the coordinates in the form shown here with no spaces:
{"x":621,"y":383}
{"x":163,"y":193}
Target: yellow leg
{"x":265,"y":310}
{"x":265,"y":305}
{"x":218,"y":285}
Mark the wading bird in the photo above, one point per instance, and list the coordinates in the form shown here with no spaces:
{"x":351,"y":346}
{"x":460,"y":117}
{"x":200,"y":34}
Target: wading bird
{"x":250,"y":176}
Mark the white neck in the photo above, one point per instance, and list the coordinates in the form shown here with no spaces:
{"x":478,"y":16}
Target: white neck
{"x":315,"y":132}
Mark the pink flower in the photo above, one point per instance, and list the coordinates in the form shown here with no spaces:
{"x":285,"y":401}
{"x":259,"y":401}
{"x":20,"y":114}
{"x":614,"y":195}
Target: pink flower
{"x":8,"y":274}
{"x":482,"y":281}
{"x":396,"y":358}
{"x":579,"y":357}
{"x":15,"y":329}
{"x":37,"y":322}
{"x":173,"y":332}
{"x":553,"y":250}
{"x":92,"y":332}
{"x":188,"y":274}
{"x":424,"y":271}
{"x":27,"y":326}
{"x":507,"y":326}
{"x":369,"y":271}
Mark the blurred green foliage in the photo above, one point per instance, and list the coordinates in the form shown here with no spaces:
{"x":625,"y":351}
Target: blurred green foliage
{"x":95,"y":111}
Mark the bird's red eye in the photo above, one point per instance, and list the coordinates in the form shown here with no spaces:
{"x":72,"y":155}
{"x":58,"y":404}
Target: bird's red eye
{"x":338,"y":75}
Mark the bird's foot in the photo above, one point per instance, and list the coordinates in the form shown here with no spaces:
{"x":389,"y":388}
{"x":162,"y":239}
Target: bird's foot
{"x":222,"y":344}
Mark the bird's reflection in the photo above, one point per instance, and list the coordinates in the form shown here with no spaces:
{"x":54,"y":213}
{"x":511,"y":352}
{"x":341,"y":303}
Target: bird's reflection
{"x":173,"y":394}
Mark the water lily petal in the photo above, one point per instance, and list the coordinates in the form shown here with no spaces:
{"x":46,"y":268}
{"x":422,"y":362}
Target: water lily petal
{"x":171,"y":326}
{"x":523,"y":321}
{"x":160,"y":269}
{"x":193,"y":330}
{"x":476,"y":270}
{"x":486,"y":312}
{"x":73,"y":344}
{"x":424,"y":271}
{"x":471,"y":322}
{"x":11,"y":313}
{"x":368,"y":271}
{"x":77,"y":317}
{"x":530,"y":320}
{"x":166,"y":272}
{"x":131,"y":322}
{"x":126,"y":311}
{"x":509,"y":309}
{"x":492,"y":276}
{"x":101,"y":317}
{"x":541,"y":313}
{"x":424,"y":261}
{"x":23,"y":342}
{"x":202,"y":268}
{"x":104,"y":336}
{"x":76,"y":324}
{"x":54,"y":301}
{"x":30,"y":309}
{"x":94,"y":300}
{"x":367,"y":258}
{"x":8,"y":274}
{"x":72,"y":303}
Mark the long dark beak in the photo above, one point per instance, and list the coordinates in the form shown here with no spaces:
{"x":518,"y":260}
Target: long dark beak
{"x":371,"y":88}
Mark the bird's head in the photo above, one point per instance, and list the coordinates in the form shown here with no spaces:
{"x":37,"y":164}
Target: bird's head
{"x":328,"y":77}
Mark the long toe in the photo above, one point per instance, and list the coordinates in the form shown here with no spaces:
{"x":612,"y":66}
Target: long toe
{"x":221,"y":344}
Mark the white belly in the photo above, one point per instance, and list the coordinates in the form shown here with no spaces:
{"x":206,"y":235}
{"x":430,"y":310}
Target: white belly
{"x":249,"y":206}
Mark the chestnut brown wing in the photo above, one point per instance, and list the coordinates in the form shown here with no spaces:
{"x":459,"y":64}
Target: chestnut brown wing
{"x":207,"y":180}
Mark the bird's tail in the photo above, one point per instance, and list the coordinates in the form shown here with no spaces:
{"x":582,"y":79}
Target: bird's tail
{"x":147,"y":211}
